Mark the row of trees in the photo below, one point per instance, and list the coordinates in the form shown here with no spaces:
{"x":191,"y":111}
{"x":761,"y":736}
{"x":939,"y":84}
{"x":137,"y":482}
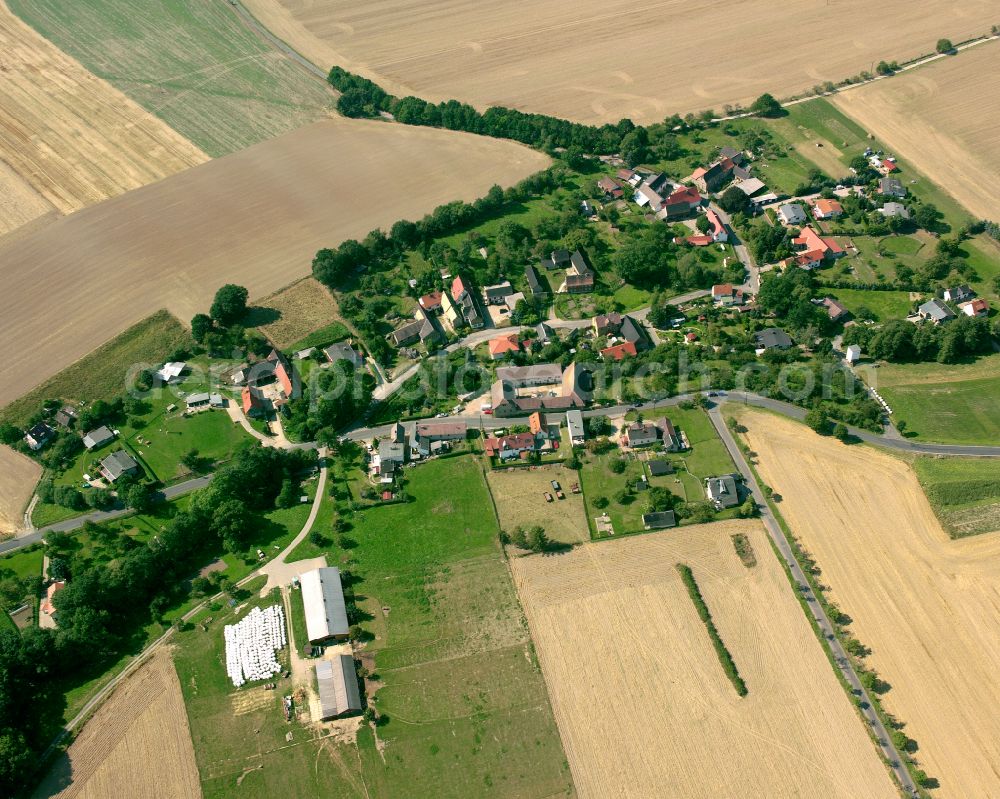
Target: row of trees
{"x":902,"y":341}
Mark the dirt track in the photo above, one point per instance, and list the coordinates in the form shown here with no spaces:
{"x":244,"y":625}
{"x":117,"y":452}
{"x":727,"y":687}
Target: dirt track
{"x":256,"y":218}
{"x":137,"y":745}
{"x":643,"y":706}
{"x":601,"y":60}
{"x":67,"y":138}
{"x":938,"y":118}
{"x":927,"y":606}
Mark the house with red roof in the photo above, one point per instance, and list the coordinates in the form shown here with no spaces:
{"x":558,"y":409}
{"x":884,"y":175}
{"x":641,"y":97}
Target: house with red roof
{"x":431,"y":302}
{"x":610,"y":188}
{"x":976,"y":307}
{"x":682,"y":202}
{"x":54,"y":588}
{"x":518,"y":445}
{"x":619,"y":352}
{"x":253,"y":402}
{"x":693,"y":241}
{"x":726,"y":295}
{"x":458,"y":289}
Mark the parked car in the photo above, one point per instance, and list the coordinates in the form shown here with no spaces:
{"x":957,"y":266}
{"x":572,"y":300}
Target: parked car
{"x":555,"y":485}
{"x":548,"y":496}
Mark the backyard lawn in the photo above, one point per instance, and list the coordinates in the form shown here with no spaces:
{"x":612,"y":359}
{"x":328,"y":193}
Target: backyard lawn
{"x":885,"y":305}
{"x":964,"y":492}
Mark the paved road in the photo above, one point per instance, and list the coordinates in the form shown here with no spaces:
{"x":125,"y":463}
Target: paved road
{"x":168,"y":493}
{"x":840,"y":657}
{"x":752,"y":284}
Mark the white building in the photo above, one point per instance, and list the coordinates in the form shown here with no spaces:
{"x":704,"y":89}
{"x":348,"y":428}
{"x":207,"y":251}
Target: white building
{"x":323,"y":599}
{"x":853,"y":353}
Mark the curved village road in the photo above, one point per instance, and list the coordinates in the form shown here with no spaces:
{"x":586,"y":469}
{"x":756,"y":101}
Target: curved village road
{"x":816,"y":610}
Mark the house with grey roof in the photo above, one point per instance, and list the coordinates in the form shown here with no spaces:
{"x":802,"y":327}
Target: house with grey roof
{"x":533,"y":279}
{"x":894,"y":210}
{"x":723,"y":492}
{"x":39,"y":435}
{"x":659,"y":521}
{"x":344,"y":351}
{"x":494,"y":295}
{"x":792,"y":214}
{"x":891,"y":187}
{"x":577,"y":431}
{"x":392,"y":455}
{"x":117,"y":465}
{"x":773,"y":338}
{"x":98,"y":438}
{"x":935,"y":311}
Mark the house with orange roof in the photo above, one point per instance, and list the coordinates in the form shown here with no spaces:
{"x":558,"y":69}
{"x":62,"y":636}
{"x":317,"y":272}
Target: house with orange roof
{"x":47,"y":607}
{"x":253,"y":402}
{"x":812,"y":250}
{"x":827,"y":209}
{"x":976,"y":307}
{"x":693,"y":241}
{"x":726,"y":295}
{"x":501,"y":346}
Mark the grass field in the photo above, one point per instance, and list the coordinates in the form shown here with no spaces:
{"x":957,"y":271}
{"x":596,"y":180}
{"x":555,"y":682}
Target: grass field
{"x":934,"y":117}
{"x":18,"y":477}
{"x":195,"y":65}
{"x":302,"y":309}
{"x":137,"y":744}
{"x":519,"y":497}
{"x":68,"y":139}
{"x":885,"y":305}
{"x":965,"y":493}
{"x":616,"y":629}
{"x":949,"y":404}
{"x":569,"y":60}
{"x":925,"y":605}
{"x":256,"y":218}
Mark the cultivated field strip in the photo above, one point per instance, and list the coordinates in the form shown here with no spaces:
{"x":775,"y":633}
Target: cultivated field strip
{"x":255,"y":218}
{"x":643,"y":706}
{"x":926,"y":605}
{"x":599,"y":61}
{"x":939,"y":118}
{"x":71,"y":138}
{"x":137,"y":744}
{"x":18,"y":476}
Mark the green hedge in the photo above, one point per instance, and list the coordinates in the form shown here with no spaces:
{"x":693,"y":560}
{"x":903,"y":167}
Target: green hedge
{"x":725,"y":658}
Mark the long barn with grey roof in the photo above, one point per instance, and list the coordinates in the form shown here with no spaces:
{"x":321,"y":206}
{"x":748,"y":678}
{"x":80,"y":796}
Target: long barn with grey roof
{"x":323,"y":599}
{"x":337,"y":683}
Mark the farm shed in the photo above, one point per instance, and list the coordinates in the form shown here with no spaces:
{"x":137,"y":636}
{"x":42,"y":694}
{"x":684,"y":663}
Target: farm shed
{"x":338,"y":687}
{"x":323,"y":599}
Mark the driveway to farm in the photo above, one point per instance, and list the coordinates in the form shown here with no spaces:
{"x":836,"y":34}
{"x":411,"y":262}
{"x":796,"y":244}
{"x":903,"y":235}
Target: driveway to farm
{"x":815,"y":608}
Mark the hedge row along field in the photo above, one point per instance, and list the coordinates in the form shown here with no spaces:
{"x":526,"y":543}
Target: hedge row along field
{"x":725,"y":658}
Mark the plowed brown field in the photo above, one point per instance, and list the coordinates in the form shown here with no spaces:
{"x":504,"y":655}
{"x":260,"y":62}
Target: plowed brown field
{"x":67,"y":138}
{"x":927,"y":606}
{"x":601,"y":60}
{"x":643,"y":706}
{"x":255,"y":218}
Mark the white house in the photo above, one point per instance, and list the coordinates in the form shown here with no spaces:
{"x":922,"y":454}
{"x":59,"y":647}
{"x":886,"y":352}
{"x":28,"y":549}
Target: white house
{"x":853,"y":353}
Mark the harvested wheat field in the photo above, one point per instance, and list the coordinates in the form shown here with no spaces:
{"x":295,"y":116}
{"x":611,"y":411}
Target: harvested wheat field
{"x":519,"y":494}
{"x":938,"y":118}
{"x":256,"y":218}
{"x":598,"y":61}
{"x":67,"y":138}
{"x":137,"y":744}
{"x":18,"y":477}
{"x":643,"y":705}
{"x":927,"y":606}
